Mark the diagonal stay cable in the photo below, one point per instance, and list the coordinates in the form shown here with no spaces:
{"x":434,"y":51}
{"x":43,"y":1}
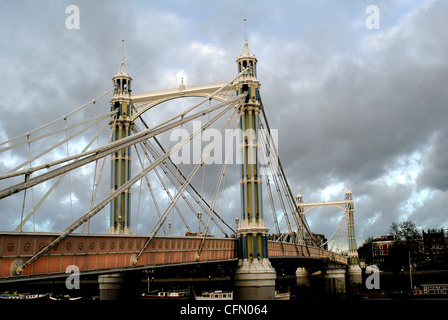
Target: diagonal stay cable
{"x":104,"y":116}
{"x":104,"y":151}
{"x":286,"y":182}
{"x":156,"y":228}
{"x":31,"y":213}
{"x":92,"y":212}
{"x":58,"y":119}
{"x":167,"y":191}
{"x":178,"y":174}
{"x":169,"y":122}
{"x":175,"y":181}
{"x":218,"y":187}
{"x":43,"y":153}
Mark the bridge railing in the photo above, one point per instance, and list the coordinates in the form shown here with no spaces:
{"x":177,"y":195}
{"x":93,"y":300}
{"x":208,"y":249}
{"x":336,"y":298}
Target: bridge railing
{"x":278,"y":249}
{"x":96,"y":252}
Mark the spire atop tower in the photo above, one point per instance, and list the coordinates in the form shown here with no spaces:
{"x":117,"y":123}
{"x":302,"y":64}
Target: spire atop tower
{"x":348,"y":193}
{"x":122,"y":68}
{"x":246,"y":44}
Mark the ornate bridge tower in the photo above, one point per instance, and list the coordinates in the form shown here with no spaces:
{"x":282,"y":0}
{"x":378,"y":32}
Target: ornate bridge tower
{"x":255,"y":277}
{"x":121,"y":161}
{"x":354,"y":273}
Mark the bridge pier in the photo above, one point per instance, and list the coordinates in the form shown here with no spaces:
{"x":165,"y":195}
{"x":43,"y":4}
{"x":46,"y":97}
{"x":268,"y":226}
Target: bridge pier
{"x":303,"y":278}
{"x":118,"y":286}
{"x":111,"y":286}
{"x":255,"y":280}
{"x":304,"y":282}
{"x":335,"y":283}
{"x":354,"y":280}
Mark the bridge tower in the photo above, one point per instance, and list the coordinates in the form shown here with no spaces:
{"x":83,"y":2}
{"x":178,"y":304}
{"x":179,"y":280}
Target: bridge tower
{"x":255,"y":277}
{"x":121,"y":125}
{"x":301,"y":214}
{"x":354,"y":273}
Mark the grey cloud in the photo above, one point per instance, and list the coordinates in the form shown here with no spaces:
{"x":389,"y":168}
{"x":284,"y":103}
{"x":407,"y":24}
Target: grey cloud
{"x":347,"y":101}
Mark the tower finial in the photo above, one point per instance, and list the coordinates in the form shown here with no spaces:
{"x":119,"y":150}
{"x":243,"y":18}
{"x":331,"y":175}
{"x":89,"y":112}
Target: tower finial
{"x":122,"y":69}
{"x":245,"y":30}
{"x":246,"y":44}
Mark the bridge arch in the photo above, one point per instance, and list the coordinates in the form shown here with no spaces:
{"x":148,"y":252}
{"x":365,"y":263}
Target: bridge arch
{"x":347,"y":205}
{"x":152,"y":99}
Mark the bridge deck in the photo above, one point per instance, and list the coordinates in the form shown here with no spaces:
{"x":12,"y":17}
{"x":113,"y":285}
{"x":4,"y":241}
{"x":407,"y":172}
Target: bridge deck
{"x":96,"y":252}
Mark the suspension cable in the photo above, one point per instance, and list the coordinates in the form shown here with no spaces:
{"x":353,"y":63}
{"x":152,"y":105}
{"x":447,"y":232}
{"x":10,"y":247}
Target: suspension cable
{"x":288,"y":189}
{"x":218,"y":187}
{"x":58,"y":119}
{"x":31,"y":213}
{"x":156,"y":228}
{"x":175,"y":179}
{"x":175,"y":171}
{"x":104,"y":151}
{"x":92,"y":212}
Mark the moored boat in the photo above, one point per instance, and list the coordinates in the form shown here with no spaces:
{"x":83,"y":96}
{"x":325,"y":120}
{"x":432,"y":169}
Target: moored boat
{"x":171,"y":294}
{"x":215,"y":295}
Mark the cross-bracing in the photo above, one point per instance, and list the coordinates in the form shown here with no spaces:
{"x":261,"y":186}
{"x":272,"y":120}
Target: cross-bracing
{"x":156,"y":168}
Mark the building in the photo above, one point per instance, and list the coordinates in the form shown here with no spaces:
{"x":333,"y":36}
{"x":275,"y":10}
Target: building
{"x":435,"y":248}
{"x":430,"y":251}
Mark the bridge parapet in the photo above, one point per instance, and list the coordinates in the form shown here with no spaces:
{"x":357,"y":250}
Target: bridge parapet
{"x":96,"y":252}
{"x":284,"y":250}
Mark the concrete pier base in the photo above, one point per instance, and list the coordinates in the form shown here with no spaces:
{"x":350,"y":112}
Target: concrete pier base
{"x":354,"y":280}
{"x":111,"y":286}
{"x":303,"y":278}
{"x":255,"y":280}
{"x":334,"y":283}
{"x":304,"y":282}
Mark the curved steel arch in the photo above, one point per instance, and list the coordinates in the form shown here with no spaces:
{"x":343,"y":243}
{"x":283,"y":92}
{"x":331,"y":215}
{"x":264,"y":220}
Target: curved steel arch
{"x":153,"y":99}
{"x":341,"y":205}
{"x":314,"y":206}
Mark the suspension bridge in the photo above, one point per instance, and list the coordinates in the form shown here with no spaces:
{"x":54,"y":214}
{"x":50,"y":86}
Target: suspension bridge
{"x":205,"y":158}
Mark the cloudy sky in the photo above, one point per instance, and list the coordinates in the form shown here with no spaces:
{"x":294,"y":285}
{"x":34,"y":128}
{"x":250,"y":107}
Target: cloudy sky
{"x":353,"y":105}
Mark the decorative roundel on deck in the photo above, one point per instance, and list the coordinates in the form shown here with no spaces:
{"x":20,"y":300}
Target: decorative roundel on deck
{"x":27,"y":246}
{"x":68,"y":245}
{"x":10,"y":246}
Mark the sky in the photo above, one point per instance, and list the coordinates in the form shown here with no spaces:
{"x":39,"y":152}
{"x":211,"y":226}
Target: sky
{"x":354,"y":106}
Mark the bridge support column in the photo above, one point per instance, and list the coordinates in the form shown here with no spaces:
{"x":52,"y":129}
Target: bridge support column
{"x":255,"y":277}
{"x":354,"y":280}
{"x":334,"y":283}
{"x":111,"y":286}
{"x":303,"y":278}
{"x":255,"y":280}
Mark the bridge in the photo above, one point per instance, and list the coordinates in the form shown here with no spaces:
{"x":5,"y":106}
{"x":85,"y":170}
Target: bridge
{"x":141,"y":138}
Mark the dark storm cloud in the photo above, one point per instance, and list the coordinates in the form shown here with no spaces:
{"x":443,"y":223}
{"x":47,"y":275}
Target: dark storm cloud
{"x":349,"y":103}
